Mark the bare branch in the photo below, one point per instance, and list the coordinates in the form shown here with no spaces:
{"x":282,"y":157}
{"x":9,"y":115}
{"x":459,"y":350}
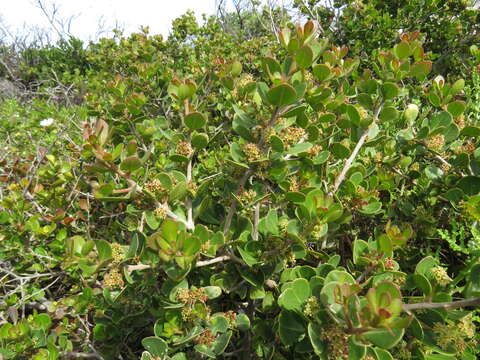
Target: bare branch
{"x":442,"y":305}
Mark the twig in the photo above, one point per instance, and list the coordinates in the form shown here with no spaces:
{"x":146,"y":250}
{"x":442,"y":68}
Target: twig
{"x":188,"y":202}
{"x":348,"y":163}
{"x":256,"y":220}
{"x":213,"y":261}
{"x":216,"y":260}
{"x":442,"y":305}
{"x":80,"y":355}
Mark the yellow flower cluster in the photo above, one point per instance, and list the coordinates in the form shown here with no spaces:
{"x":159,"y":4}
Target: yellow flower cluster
{"x":155,"y":187}
{"x":312,"y":307}
{"x":468,"y":147}
{"x":455,"y":334}
{"x":184,"y":148}
{"x":440,"y":275}
{"x":436,"y":142}
{"x":445,"y":167}
{"x":113,"y":279}
{"x":314,"y":150}
{"x":292,"y":135}
{"x":191,"y":295}
{"x":161,"y":212}
{"x":206,"y":338}
{"x":245,"y":79}
{"x":337,"y":342}
{"x":247,"y":196}
{"x":118,"y":253}
{"x":252,"y":152}
{"x":460,"y":121}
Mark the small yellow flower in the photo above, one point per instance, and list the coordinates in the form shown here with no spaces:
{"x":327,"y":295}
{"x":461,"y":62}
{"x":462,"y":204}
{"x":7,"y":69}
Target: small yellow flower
{"x":440,"y":275}
{"x":252,"y":152}
{"x":184,"y":148}
{"x":436,"y":142}
{"x":113,"y":279}
{"x":118,"y":253}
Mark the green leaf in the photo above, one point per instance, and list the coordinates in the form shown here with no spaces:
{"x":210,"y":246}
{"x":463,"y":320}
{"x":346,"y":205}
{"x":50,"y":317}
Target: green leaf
{"x":315,"y":334}
{"x":339,"y":276}
{"x":295,"y":296}
{"x":388,"y":113}
{"x":383,"y":354}
{"x":43,"y":321}
{"x":389,"y":91}
{"x":304,"y":57}
{"x":212,"y":292}
{"x":179,"y":191}
{"x":473,"y":287}
{"x":372,"y":208}
{"x":340,"y":151}
{"x":151,"y":220}
{"x":155,"y":346}
{"x":235,"y":68}
{"x":434,"y":100}
{"x":425,"y":265}
{"x":321,"y":72}
{"x":353,"y":114}
{"x":327,"y":117}
{"x":192,"y":246}
{"x":456,"y":108}
{"x":104,"y":250}
{"x":195,"y":120}
{"x":433,"y":172}
{"x":402,"y":50}
{"x":457,"y":87}
{"x":281,"y":95}
{"x":470,"y":185}
{"x":199,"y":141}
{"x":169,"y":231}
{"x":383,"y":338}
{"x":470,"y":131}
{"x":221,"y":343}
{"x":242,"y":322}
{"x":291,"y":327}
{"x":218,"y":323}
{"x":439,"y":357}
{"x":421,"y":69}
{"x":131,"y":163}
{"x":299,"y":148}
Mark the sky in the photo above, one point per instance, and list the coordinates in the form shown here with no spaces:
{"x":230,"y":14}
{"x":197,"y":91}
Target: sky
{"x":130,"y":14}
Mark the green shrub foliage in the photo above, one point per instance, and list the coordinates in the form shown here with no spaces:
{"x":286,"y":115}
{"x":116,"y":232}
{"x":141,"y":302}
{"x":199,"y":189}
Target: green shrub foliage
{"x":216,"y":197}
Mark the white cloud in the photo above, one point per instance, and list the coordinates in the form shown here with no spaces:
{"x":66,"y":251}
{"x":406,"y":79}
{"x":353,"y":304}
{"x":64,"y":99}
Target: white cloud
{"x":157,"y":14}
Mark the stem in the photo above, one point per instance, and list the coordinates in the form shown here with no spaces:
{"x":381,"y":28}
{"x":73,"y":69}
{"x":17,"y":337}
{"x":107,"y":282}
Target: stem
{"x":256,"y":220}
{"x":190,"y":224}
{"x":213,"y":261}
{"x":354,"y":154}
{"x":231,"y":211}
{"x":233,"y":207}
{"x":442,"y":305}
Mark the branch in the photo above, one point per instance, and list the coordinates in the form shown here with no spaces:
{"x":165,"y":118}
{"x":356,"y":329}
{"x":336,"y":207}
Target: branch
{"x":256,"y":221}
{"x":213,"y":261}
{"x":189,"y":206}
{"x":442,"y":305}
{"x":228,"y":221}
{"x":216,"y":260}
{"x":80,"y":355}
{"x":354,"y":154}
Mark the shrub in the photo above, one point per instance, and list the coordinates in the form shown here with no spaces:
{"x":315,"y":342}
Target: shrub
{"x":256,"y":206}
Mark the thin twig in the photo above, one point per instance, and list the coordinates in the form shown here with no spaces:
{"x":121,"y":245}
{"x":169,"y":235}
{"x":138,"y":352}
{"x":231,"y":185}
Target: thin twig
{"x":349,"y":162}
{"x":442,"y":305}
